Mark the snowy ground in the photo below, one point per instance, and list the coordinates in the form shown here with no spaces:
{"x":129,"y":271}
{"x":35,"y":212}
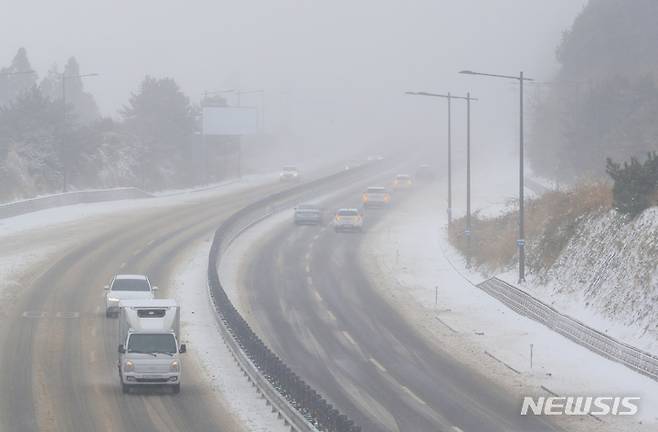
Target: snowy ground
{"x":200,"y":329}
{"x":412,"y":263}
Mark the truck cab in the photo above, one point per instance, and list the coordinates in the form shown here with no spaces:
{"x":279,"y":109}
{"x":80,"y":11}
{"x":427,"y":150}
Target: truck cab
{"x":149,"y":345}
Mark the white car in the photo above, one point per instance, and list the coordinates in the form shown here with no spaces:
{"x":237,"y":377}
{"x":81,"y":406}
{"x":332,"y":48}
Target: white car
{"x":289,"y":173}
{"x":126,"y":287}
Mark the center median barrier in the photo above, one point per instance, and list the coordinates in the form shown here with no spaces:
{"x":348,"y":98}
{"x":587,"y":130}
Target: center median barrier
{"x":592,"y":339}
{"x":302,"y":407}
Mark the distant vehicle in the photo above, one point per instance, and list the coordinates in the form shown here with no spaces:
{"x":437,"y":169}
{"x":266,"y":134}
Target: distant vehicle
{"x":289,"y":173}
{"x":425,"y":173}
{"x":308,"y":214}
{"x":348,"y":219}
{"x":126,"y":287}
{"x":402,"y":181}
{"x":376,"y":197}
{"x":149,"y":349}
{"x":375,"y":158}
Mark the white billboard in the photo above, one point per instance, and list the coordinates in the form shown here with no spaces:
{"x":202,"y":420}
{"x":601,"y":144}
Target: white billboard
{"x":230,"y":120}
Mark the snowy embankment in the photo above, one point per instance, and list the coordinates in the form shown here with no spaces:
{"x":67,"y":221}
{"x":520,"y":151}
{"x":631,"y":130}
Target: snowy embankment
{"x":199,"y":328}
{"x":607,"y":277}
{"x":412,"y":263}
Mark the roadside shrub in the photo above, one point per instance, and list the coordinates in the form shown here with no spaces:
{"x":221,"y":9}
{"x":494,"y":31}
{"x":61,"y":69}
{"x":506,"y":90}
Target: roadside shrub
{"x":635,"y":184}
{"x":551,"y":221}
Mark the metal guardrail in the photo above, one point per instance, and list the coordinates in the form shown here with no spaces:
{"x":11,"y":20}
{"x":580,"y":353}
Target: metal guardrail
{"x":302,"y":407}
{"x":592,"y":339}
{"x":69,"y":198}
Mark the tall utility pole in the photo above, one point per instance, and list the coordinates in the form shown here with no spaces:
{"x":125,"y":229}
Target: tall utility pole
{"x":521,"y":240}
{"x":449,"y":98}
{"x":65,"y":162}
{"x":467,"y":232}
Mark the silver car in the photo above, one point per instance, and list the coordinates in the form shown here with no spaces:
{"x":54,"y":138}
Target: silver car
{"x":308,"y":214}
{"x":348,"y":219}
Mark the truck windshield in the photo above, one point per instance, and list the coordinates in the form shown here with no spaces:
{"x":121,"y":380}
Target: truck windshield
{"x":130,"y":285}
{"x":152,"y":343}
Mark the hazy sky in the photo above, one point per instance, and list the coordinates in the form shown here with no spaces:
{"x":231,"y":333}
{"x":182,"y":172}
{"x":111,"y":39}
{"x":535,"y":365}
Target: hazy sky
{"x":334,"y":68}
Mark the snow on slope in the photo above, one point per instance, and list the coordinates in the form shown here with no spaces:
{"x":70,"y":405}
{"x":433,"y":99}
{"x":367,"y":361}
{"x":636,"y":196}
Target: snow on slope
{"x":409,"y":257}
{"x":607,"y":277}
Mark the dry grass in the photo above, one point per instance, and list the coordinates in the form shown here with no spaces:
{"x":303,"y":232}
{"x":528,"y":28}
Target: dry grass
{"x":551,"y":221}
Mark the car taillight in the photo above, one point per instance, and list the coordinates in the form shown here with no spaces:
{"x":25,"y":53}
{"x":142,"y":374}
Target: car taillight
{"x":364,"y":198}
{"x":337,"y":218}
{"x":387,"y":198}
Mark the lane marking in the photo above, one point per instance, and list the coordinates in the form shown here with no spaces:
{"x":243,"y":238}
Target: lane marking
{"x":456,"y":429}
{"x":150,"y":242}
{"x":317,"y":236}
{"x":331,"y":315}
{"x":349,"y":338}
{"x":308,"y":268}
{"x":308,"y":256}
{"x":309,"y":280}
{"x":67,"y":315}
{"x":122,"y":265}
{"x":92,"y":356}
{"x":34,"y":314}
{"x":413,"y":395}
{"x":98,"y":309}
{"x":318,"y":296}
{"x":378,"y":365}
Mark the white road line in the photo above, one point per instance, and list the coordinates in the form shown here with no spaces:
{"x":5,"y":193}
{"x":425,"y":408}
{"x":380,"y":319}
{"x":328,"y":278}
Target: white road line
{"x":308,"y":268}
{"x":150,"y":242}
{"x":349,"y":338}
{"x":137,"y":252}
{"x":317,"y":236}
{"x":92,"y":356}
{"x":308,"y":256}
{"x":331,"y":315}
{"x":413,"y":395}
{"x":122,"y":265}
{"x":378,"y":365}
{"x":309,"y":280}
{"x":456,"y":429}
{"x":318,"y":296}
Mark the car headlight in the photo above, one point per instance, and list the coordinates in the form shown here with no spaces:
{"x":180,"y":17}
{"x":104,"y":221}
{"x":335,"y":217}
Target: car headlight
{"x":128,"y":366}
{"x":174,"y":366}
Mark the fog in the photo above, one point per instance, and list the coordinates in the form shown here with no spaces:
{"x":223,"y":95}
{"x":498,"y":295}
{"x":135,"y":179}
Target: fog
{"x":334,"y":72}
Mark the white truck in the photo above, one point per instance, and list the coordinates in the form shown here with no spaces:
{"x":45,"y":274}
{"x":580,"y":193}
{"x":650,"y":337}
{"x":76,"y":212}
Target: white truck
{"x":149,"y":349}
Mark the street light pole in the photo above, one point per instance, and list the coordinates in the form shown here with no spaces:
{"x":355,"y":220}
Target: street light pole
{"x":521,"y":240}
{"x":467,"y":232}
{"x":449,"y":160}
{"x":449,"y":98}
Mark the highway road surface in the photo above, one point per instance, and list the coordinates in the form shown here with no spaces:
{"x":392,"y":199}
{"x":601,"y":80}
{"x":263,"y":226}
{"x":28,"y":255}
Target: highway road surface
{"x":316,"y":308}
{"x":58,"y":359}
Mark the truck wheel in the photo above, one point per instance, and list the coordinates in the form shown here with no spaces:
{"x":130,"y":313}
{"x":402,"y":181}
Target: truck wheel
{"x":125,"y":388}
{"x":176,"y":388}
